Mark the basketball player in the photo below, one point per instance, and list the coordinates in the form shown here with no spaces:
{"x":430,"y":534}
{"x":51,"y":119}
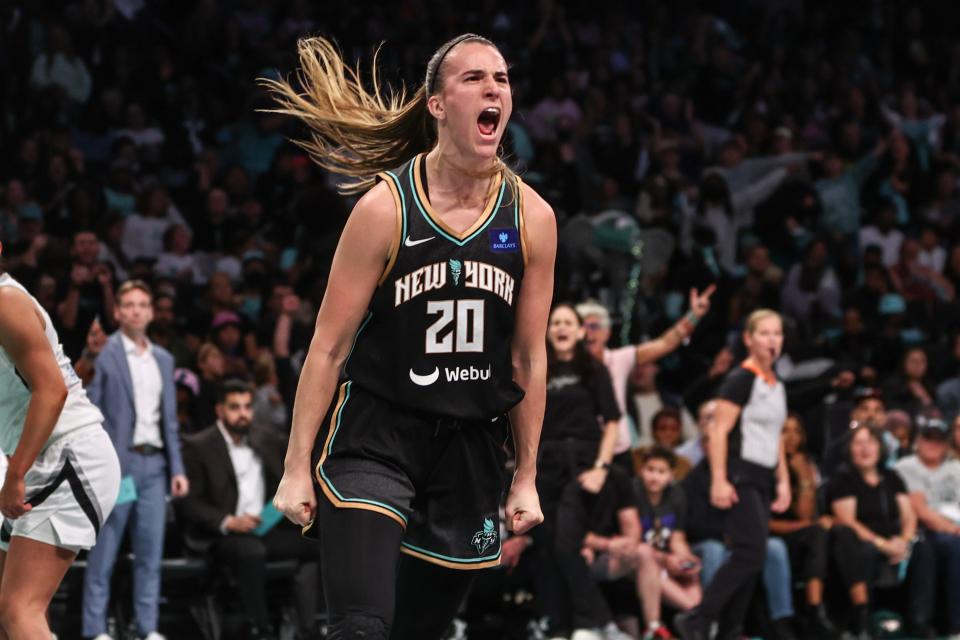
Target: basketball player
{"x":63,"y":475}
{"x":436,"y":311}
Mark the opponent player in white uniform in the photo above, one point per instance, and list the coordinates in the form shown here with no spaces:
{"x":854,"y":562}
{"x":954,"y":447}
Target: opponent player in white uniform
{"x":63,"y":475}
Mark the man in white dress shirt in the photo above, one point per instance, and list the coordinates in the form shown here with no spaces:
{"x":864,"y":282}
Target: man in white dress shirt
{"x":133,"y":387}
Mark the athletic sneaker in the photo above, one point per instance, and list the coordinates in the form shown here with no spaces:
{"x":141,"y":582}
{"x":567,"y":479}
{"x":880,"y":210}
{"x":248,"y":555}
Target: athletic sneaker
{"x":153,"y":635}
{"x":103,"y":636}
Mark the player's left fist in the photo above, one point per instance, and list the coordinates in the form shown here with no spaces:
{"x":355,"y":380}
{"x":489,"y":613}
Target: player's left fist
{"x":523,"y":508}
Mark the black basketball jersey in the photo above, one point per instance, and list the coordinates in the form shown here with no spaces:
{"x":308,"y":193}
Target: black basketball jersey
{"x":437,"y":335}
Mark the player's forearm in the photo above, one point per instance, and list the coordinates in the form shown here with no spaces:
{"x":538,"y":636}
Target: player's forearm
{"x":42,"y":415}
{"x":526,"y":419}
{"x":315,"y":390}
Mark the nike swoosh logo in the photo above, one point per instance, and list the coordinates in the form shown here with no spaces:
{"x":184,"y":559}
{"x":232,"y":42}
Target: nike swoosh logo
{"x":427,"y":380}
{"x":412,"y":243}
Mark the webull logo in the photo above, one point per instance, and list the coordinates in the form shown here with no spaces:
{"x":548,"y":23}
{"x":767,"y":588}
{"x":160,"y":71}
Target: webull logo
{"x":463,"y":374}
{"x":451,"y":374}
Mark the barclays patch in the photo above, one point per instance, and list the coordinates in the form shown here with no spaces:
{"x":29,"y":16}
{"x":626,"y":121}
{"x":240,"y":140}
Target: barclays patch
{"x":505,"y":240}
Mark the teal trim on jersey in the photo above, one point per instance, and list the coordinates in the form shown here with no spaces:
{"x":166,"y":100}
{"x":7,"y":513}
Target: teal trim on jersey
{"x":363,"y":325}
{"x":403,"y":206}
{"x":449,"y":559}
{"x":330,"y":451}
{"x":426,"y":216}
{"x":516,"y":214}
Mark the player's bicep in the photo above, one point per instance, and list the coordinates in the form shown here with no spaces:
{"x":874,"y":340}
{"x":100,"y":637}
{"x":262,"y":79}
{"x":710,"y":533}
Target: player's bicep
{"x":358,"y":263}
{"x":22,"y":337}
{"x":536,"y":292}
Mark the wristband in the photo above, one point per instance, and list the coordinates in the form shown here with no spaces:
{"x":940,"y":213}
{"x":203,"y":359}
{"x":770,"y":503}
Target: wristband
{"x":600,"y":464}
{"x":693,"y":318}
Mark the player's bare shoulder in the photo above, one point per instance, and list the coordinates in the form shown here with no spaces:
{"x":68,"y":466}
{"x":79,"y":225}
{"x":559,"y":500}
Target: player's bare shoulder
{"x":15,"y":305}
{"x":536,"y":210}
{"x":373,"y":221}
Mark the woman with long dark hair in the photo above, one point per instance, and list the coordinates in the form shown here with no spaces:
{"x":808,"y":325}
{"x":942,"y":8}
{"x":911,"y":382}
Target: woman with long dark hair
{"x":580,"y":428}
{"x":428,"y":343}
{"x":805,"y":533}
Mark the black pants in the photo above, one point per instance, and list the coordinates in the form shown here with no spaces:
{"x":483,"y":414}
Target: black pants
{"x":567,"y":593}
{"x":589,"y":607}
{"x":860,"y":561}
{"x":856,"y":560}
{"x":809,"y":549}
{"x":373,"y":591}
{"x":245,"y":557}
{"x":746,"y":526}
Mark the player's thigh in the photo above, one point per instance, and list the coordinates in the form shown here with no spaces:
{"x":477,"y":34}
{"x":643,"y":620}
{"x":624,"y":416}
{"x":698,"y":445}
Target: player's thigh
{"x":359,"y":550}
{"x":428,"y":598}
{"x":32,"y":572}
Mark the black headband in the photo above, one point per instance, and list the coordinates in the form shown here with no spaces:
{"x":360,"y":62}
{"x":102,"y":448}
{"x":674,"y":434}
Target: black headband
{"x":431,"y":78}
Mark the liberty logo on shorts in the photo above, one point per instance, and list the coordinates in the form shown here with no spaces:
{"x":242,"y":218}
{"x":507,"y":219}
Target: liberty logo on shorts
{"x":455,"y":268}
{"x":486,"y":538}
{"x":504,"y":240}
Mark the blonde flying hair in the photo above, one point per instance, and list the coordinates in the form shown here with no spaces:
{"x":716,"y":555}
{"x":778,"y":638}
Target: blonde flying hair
{"x":358,"y":133}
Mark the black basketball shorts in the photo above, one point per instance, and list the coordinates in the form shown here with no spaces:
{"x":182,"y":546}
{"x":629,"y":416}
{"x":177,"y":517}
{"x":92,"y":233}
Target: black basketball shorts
{"x":441,"y":479}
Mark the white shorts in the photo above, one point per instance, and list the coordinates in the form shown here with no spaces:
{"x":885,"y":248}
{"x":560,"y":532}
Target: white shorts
{"x":72,"y":487}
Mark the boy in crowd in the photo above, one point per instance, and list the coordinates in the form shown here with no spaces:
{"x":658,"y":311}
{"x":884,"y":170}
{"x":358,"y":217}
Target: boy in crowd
{"x":662,"y":507}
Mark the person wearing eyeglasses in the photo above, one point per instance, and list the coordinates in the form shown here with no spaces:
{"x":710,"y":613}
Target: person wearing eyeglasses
{"x":621,"y":361}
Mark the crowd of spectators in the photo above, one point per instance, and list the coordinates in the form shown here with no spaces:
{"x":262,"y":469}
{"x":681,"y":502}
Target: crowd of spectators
{"x":800,"y":156}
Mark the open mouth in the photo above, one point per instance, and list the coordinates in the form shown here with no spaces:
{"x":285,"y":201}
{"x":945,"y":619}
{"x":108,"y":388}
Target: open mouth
{"x":489,"y":120}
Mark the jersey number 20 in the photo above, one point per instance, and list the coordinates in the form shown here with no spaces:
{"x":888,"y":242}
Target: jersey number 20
{"x":467,"y":333}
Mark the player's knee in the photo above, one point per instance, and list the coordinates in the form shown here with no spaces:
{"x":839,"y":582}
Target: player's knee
{"x":15,"y":611}
{"x":357,"y":626}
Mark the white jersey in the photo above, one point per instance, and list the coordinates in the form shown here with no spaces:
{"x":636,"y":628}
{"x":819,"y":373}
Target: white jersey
{"x":78,"y":411}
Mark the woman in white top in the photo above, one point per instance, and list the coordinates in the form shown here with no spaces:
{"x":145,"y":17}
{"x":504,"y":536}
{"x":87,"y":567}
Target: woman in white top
{"x":63,"y":475}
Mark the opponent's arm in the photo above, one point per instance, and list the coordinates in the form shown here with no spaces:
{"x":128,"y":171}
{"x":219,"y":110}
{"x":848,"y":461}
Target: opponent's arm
{"x":529,"y":355}
{"x":22,"y":337}
{"x":357,"y":266}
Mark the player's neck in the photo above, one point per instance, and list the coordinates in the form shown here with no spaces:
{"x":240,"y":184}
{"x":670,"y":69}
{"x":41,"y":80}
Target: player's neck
{"x":654,"y":496}
{"x":451,"y":172}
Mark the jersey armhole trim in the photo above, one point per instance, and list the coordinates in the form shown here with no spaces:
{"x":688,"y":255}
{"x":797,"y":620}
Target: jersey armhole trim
{"x":401,"y":223}
{"x":521,"y":226}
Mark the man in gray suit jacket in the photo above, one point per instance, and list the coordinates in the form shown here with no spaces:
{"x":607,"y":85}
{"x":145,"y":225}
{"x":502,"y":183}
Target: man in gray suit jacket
{"x":134,"y":389}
